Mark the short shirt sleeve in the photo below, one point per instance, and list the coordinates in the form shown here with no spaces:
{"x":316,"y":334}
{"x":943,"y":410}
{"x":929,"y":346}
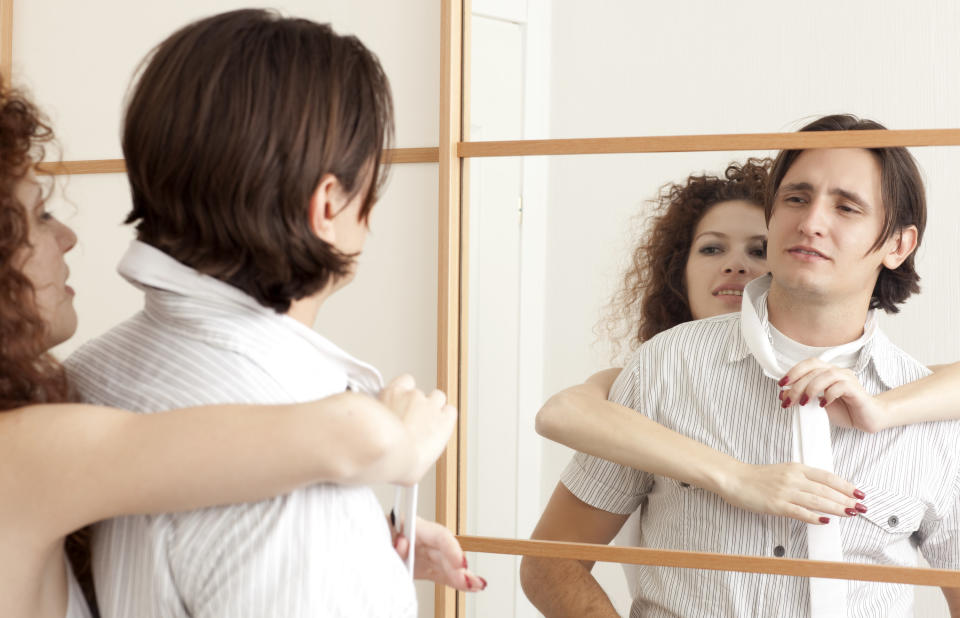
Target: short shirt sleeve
{"x":603,"y":484}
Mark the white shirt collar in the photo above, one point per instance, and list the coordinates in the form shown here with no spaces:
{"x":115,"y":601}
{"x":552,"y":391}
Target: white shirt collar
{"x":163,"y":279}
{"x":756,"y":340}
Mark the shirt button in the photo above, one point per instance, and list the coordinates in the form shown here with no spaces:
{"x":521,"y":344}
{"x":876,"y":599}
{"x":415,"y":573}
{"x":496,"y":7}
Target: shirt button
{"x":779,"y":551}
{"x":894,"y":521}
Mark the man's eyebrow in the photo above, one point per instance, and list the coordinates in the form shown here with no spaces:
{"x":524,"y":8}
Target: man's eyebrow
{"x":796,"y":186}
{"x":852,"y":196}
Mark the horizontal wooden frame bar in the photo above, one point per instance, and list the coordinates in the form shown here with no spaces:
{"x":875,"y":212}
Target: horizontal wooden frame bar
{"x":704,"y":143}
{"x":713,"y":562}
{"x":117,"y":166}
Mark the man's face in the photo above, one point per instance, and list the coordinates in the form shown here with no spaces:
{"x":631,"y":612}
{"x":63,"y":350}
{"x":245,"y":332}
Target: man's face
{"x":826,"y":216}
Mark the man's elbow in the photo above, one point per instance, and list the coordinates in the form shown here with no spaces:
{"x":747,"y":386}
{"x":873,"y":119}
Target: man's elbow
{"x":532,"y":577}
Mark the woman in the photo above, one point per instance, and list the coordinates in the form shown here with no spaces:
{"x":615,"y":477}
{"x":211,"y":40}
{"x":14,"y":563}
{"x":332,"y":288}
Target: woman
{"x":72,"y":465}
{"x":706,"y":242}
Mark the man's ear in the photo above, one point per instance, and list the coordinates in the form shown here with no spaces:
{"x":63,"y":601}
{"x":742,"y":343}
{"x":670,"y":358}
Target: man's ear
{"x":905,"y":244}
{"x":324,"y":205}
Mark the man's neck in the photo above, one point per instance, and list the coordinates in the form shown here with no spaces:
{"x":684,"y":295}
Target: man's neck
{"x":814,"y":323}
{"x":306,"y":309}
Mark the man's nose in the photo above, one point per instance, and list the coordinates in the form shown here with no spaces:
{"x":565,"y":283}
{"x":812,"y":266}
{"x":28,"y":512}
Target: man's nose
{"x":813,"y":222}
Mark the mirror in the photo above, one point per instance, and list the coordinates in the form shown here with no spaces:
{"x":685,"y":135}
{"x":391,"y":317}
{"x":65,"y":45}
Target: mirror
{"x":550,"y":237}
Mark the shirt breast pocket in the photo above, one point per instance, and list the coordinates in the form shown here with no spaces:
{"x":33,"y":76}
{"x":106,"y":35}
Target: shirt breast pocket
{"x":884,"y":534}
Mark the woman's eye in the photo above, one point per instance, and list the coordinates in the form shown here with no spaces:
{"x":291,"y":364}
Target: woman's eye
{"x":710,"y":250}
{"x":758,"y":253}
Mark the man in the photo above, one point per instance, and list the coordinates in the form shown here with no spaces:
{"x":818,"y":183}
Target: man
{"x":843,"y":227}
{"x":253,"y":145}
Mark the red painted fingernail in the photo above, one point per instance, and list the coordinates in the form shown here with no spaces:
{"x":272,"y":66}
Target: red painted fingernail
{"x":464,"y":561}
{"x":823,"y":402}
{"x":781,"y":394}
{"x":824,"y":520}
{"x":467,"y":579}
{"x":850,"y":512}
{"x":484,"y":583}
{"x":786,"y":403}
{"x":783,"y":381}
{"x":860,"y":508}
{"x":859,"y":495}
{"x":804,"y":400}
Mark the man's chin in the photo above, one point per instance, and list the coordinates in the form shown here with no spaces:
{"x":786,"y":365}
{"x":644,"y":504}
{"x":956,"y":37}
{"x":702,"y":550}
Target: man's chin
{"x":802,"y":284}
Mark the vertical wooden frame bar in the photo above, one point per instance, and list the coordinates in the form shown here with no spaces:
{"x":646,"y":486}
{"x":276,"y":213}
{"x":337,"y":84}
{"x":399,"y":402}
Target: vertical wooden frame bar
{"x":462,"y":326}
{"x":448,"y":293}
{"x":466,"y":7}
{"x":6,"y":40}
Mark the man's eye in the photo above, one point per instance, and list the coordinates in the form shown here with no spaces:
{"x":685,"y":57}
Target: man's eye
{"x":794,"y":199}
{"x":845,"y":208}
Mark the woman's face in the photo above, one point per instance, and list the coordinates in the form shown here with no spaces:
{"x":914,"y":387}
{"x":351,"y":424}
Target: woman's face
{"x":727,"y":252}
{"x":43,"y":262}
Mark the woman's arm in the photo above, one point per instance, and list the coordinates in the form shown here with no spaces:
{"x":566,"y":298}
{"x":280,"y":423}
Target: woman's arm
{"x":69,"y":465}
{"x":581,"y":417}
{"x":933,"y":398}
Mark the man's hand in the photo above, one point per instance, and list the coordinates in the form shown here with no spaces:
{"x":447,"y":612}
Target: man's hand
{"x":789,"y":490}
{"x":837,"y":390}
{"x":427,"y":419}
{"x":438,"y":557}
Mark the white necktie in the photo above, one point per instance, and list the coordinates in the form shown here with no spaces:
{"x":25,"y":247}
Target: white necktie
{"x":811,"y":446}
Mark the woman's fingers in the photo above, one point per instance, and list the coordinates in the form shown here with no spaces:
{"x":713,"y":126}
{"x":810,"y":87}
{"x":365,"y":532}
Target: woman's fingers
{"x":794,"y":490}
{"x":832,"y":481}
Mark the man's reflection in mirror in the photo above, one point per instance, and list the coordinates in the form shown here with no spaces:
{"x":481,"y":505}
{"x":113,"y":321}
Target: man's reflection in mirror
{"x":707,"y":461}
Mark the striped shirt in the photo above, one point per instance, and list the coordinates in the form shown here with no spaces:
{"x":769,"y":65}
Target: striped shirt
{"x":699,"y":379}
{"x":320,"y":551}
{"x":76,"y":603}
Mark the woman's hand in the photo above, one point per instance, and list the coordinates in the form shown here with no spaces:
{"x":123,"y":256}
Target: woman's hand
{"x":438,"y":557}
{"x":837,"y":390}
{"x":428,"y":423}
{"x":789,"y":490}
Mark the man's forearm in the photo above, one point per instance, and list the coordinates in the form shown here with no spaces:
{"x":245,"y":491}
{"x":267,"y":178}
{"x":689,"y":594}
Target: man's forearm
{"x":559,"y":588}
{"x":953,"y":601}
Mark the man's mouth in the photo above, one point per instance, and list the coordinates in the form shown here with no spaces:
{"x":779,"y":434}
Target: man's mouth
{"x":807,"y":251}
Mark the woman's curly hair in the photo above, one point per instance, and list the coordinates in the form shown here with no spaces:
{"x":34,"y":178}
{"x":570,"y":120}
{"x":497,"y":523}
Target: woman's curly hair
{"x":28,"y":373}
{"x":653,"y":297}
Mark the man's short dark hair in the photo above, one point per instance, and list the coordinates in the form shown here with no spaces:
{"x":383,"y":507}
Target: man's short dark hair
{"x":227,"y":133}
{"x":901,"y":192}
